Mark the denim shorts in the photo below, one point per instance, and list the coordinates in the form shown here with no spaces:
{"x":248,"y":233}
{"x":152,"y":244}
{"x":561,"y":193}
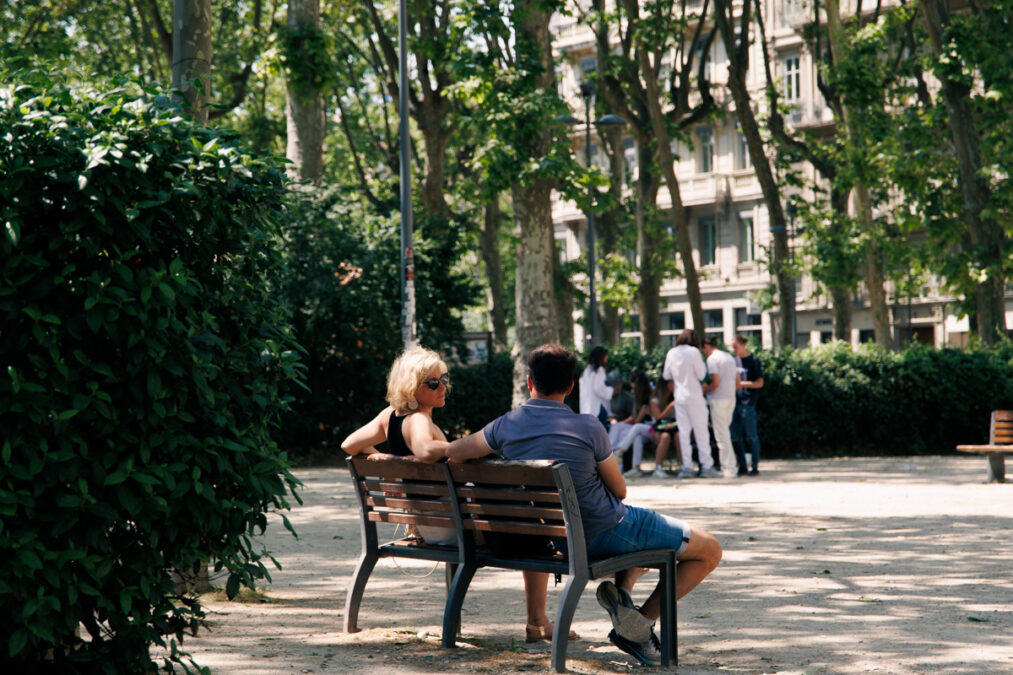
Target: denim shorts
{"x":639,"y":530}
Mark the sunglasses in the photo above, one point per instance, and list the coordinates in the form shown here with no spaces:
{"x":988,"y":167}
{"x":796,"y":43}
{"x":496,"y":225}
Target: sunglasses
{"x":435,"y":382}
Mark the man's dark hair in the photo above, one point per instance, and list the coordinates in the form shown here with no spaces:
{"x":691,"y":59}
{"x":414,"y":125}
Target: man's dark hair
{"x":552,"y":368}
{"x":711,"y":341}
{"x":688,"y":337}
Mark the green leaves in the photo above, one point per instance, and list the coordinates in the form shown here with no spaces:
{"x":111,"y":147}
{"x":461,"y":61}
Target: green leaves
{"x":145,"y":364}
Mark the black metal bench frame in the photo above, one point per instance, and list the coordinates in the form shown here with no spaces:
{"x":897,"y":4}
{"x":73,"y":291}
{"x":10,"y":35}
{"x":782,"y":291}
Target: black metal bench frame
{"x":522,"y":497}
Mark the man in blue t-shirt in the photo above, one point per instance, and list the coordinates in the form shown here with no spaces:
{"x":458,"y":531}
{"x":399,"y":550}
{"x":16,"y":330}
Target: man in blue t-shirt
{"x":546,"y":428}
{"x":744,"y":419}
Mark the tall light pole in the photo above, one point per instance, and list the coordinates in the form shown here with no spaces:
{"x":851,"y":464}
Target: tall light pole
{"x":587,"y":91}
{"x":407,"y":255}
{"x":792,"y":211}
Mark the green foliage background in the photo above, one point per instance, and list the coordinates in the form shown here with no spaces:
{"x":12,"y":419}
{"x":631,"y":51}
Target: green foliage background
{"x":144,"y":363}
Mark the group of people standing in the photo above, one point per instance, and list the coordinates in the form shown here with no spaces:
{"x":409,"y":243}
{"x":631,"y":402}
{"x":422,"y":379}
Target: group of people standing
{"x":690,"y":392}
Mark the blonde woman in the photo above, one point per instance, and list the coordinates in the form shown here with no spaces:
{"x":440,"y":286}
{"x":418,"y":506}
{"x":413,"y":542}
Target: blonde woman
{"x":417,"y":383}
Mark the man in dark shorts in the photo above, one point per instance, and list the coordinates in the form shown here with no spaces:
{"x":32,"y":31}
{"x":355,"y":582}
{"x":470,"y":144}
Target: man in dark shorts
{"x":546,"y":428}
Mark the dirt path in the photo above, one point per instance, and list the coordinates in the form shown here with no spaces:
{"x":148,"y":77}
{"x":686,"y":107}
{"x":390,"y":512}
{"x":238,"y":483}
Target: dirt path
{"x":901,"y":565}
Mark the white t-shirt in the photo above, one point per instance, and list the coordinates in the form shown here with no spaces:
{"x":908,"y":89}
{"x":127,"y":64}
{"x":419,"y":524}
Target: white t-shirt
{"x":722,"y":363}
{"x":684,"y":365}
{"x":594,"y":393}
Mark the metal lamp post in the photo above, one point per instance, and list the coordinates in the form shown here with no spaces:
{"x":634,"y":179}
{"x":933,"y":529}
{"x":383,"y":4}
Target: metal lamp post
{"x":792,"y":211}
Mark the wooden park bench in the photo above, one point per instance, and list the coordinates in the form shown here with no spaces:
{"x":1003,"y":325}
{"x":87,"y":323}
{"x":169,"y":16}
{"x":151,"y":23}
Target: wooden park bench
{"x":521,"y":497}
{"x":1000,"y":444}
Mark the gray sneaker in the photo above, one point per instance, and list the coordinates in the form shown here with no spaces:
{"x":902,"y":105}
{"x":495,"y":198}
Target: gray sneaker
{"x":647,"y":652}
{"x":686,"y":473}
{"x":627,"y":620}
{"x":632,"y":472}
{"x":711,"y":473}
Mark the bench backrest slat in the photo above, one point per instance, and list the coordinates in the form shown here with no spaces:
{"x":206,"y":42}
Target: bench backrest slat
{"x":526,"y":511}
{"x":507,"y":493}
{"x":435,"y":490}
{"x":515,"y":527}
{"x":531,"y":473}
{"x":409,"y":519}
{"x":1001,"y":429}
{"x":410,"y":505}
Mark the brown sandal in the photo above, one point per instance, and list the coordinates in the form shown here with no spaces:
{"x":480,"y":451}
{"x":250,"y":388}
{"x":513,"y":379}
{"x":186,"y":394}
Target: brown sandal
{"x":534,"y":632}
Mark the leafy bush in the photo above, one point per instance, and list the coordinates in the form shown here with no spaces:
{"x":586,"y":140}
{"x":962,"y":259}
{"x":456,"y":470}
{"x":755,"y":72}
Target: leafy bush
{"x":144,"y":362}
{"x":832,"y":400}
{"x":480,"y":392}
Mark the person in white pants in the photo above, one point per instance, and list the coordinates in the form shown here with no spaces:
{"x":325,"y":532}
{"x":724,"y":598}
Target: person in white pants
{"x":721,"y":399}
{"x":685,"y":367}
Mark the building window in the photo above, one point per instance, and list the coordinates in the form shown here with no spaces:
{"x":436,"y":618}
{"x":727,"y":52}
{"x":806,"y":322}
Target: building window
{"x":713,"y":319}
{"x":744,"y":320}
{"x":792,"y":80}
{"x":708,"y":240}
{"x":866,"y":335}
{"x":706,"y":155}
{"x":747,"y":243}
{"x":743,"y":160}
{"x":674,"y":320}
{"x":588,"y":67}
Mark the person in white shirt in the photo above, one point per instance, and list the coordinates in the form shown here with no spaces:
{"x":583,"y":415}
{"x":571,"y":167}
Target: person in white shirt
{"x":685,"y":367}
{"x":721,"y":400}
{"x":595,"y":394}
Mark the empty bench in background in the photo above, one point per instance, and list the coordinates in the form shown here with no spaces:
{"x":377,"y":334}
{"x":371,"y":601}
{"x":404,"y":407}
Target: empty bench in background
{"x":1000,"y":444}
{"x":522,"y":497}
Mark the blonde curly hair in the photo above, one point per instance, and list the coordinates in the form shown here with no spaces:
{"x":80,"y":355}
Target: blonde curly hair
{"x":407,"y":373}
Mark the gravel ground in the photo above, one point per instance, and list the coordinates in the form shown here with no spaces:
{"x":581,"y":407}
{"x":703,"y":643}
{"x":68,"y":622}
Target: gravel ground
{"x":899,"y":565}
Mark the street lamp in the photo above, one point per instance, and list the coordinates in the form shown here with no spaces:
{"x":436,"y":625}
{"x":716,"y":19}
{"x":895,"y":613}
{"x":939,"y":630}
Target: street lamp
{"x":587,"y":91}
{"x":792,"y":211}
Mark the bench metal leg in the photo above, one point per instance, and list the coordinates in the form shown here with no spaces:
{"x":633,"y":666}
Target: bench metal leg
{"x":669,"y":631}
{"x":564,"y":617}
{"x":996,"y":467}
{"x":362,"y":571}
{"x":455,"y":600}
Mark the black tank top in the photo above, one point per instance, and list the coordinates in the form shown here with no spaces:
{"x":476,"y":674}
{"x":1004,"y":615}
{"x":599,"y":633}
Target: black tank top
{"x":395,"y":438}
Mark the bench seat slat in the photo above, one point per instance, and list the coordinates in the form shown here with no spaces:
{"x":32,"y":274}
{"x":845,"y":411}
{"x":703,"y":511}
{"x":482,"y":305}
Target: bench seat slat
{"x":986,"y":449}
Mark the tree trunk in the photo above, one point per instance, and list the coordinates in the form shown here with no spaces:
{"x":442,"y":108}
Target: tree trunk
{"x":649,"y":291}
{"x":489,"y":247}
{"x":738,"y":66}
{"x":985,"y":230}
{"x":840,"y":291}
{"x":563,"y":298}
{"x":304,"y":104}
{"x":191,"y":54}
{"x":874,"y":277}
{"x":535,"y":295}
{"x":535,"y":304}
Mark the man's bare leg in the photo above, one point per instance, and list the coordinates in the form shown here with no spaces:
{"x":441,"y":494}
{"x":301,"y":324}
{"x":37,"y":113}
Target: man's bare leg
{"x":702,"y":555}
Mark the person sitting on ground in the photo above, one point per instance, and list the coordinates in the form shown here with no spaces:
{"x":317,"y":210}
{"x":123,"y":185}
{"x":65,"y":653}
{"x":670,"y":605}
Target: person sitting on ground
{"x":417,"y":383}
{"x":546,"y":428}
{"x":595,"y":395}
{"x":621,"y":406}
{"x":640,"y":425}
{"x":664,"y":431}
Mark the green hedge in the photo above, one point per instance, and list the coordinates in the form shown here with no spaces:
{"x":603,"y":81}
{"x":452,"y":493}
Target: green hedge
{"x":833,"y":400}
{"x":144,"y":364}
